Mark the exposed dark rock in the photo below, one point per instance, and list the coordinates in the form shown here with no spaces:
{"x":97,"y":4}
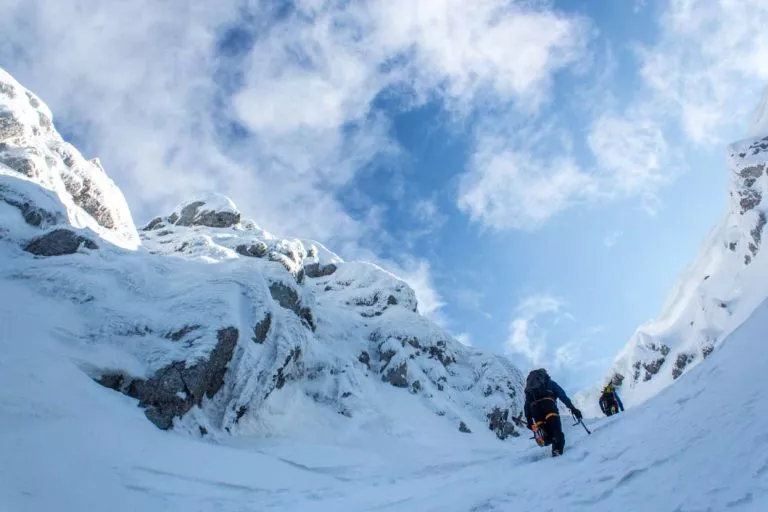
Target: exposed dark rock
{"x":386,"y":356}
{"x":194,"y":214}
{"x":391,"y":300}
{"x":21,"y":163}
{"x":398,"y":376}
{"x":288,"y":298}
{"x":90,"y":199}
{"x":757,"y":233}
{"x":181,"y":333}
{"x":203,"y":430}
{"x":439,"y":354}
{"x":255,"y":250}
{"x":498,"y":422}
{"x":706,"y":350}
{"x":636,"y":367}
{"x":315,"y":270}
{"x":752,"y":173}
{"x":112,"y":381}
{"x":33,"y":215}
{"x":33,"y":100}
{"x":365,"y":358}
{"x":154,"y":224}
{"x":464,"y":428}
{"x":240,"y":412}
{"x":280,"y":377}
{"x":652,"y":368}
{"x":176,"y":388}
{"x":261,"y":330}
{"x":749,"y":199}
{"x":732,"y":246}
{"x":8,"y":90}
{"x":682,"y":361}
{"x":58,"y":243}
{"x":10,"y":126}
{"x":416,"y":386}
{"x":44,"y":121}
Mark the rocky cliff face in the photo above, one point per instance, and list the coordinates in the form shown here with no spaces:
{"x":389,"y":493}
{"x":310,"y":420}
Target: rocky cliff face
{"x":214,"y":325}
{"x":717,"y":292}
{"x":48,"y":180}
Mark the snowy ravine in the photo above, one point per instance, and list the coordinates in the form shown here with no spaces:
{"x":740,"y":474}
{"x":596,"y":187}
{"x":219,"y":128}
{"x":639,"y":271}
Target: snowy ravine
{"x":215,"y":326}
{"x":285,"y":379}
{"x":715,"y":295}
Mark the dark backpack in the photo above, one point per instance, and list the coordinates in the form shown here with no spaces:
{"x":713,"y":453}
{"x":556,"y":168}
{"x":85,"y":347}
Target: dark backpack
{"x":609,"y":400}
{"x":537,"y":384}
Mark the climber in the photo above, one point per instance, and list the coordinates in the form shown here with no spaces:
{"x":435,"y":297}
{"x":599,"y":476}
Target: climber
{"x":610,"y":403}
{"x":541,"y":413}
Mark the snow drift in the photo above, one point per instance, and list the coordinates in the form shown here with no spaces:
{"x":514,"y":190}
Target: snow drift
{"x":216,"y":327}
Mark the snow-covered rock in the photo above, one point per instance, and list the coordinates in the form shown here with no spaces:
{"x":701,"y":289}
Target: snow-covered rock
{"x":718,"y":292}
{"x":218,"y":327}
{"x":32,"y":151}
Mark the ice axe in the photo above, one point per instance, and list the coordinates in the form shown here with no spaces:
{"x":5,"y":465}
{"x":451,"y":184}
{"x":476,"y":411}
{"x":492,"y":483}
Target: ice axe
{"x":582,"y":424}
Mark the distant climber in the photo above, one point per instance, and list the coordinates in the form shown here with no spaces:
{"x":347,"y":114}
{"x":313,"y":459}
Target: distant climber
{"x":541,"y":413}
{"x":610,"y":403}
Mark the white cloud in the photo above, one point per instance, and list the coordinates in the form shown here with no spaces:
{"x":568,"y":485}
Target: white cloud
{"x":612,"y":238}
{"x":709,"y":64}
{"x":534,"y":320}
{"x":143,"y":95}
{"x":508,"y":188}
{"x":417,"y":273}
{"x":464,"y":338}
{"x":631,"y":153}
{"x":527,"y":337}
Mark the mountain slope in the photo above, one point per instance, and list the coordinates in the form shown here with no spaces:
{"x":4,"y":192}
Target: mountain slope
{"x":699,"y":445}
{"x":715,"y":294}
{"x":217,"y":327}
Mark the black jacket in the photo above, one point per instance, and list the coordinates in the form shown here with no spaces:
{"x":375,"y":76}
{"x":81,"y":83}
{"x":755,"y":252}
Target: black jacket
{"x":554,"y":391}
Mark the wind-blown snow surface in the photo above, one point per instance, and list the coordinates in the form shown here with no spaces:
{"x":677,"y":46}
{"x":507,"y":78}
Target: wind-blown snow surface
{"x":715,"y":294}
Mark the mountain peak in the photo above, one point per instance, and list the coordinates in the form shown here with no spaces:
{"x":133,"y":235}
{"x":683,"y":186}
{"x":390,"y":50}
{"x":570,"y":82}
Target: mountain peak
{"x":211,"y":210}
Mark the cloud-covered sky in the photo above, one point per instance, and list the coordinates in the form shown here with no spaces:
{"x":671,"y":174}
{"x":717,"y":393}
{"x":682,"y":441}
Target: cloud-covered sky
{"x":540,"y":171}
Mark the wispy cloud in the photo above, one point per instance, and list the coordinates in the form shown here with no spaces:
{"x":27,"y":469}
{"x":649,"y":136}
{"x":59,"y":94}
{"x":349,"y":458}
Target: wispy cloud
{"x":708,"y":64}
{"x":612,"y":238}
{"x":527,"y":337}
{"x":464,"y":338}
{"x":702,"y":76}
{"x":510,"y":188}
{"x":534,"y":320}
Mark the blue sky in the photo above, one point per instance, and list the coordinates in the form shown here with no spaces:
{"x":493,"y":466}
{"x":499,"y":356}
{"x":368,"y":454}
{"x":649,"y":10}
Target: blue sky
{"x":539,"y":171}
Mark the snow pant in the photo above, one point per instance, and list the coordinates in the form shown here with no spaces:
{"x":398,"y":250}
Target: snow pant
{"x":545,"y":413}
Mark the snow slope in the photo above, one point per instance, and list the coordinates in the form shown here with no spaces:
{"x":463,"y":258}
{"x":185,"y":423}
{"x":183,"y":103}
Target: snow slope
{"x":700,"y":445}
{"x":715,"y":294}
{"x":218,"y":328}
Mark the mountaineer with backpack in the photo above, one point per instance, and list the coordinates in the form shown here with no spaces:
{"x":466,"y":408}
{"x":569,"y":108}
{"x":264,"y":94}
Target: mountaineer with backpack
{"x":610,"y":403}
{"x":541,"y":413}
